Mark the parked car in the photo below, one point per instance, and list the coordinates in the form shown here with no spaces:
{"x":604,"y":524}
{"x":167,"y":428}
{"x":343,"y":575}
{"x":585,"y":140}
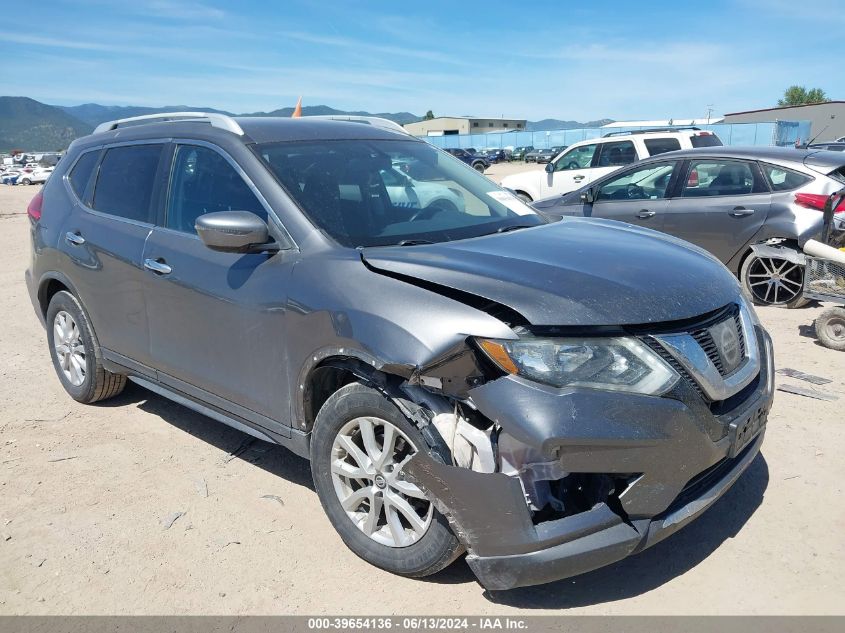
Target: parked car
{"x":520,"y":152}
{"x":540,"y":156}
{"x":753,"y":208}
{"x":476,"y":161}
{"x":587,"y":161}
{"x":549,"y":397}
{"x":9,"y":177}
{"x":35,"y":176}
{"x":498,"y":156}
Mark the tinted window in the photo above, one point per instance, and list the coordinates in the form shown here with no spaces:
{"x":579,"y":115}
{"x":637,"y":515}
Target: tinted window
{"x":576,"y":158}
{"x":783,"y":179}
{"x":81,"y":172}
{"x":204,"y":182}
{"x":616,"y":154}
{"x":705,"y":140}
{"x":374,"y":193}
{"x":649,"y":182}
{"x":661,"y":145}
{"x":719,"y":177}
{"x":125,"y":182}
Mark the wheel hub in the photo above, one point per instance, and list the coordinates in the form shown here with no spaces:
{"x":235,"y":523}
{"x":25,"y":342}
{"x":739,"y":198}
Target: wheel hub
{"x":774,"y":281}
{"x":367,"y":458}
{"x":69,"y":349}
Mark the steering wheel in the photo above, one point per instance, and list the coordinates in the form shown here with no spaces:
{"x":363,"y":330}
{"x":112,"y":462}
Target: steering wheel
{"x":573,"y":165}
{"x":431,"y":210}
{"x":635,"y":192}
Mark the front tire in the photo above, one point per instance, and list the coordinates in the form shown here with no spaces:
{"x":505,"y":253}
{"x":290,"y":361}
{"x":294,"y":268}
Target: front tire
{"x":359,"y":446}
{"x":773,"y":281}
{"x":76,"y":354}
{"x":479,"y":167}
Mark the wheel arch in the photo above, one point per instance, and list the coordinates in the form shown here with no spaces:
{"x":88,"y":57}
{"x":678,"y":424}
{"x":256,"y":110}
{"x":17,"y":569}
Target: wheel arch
{"x":51,"y":283}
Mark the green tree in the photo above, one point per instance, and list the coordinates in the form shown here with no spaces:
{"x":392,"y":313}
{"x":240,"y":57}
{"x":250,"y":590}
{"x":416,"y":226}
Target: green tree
{"x":429,"y":115}
{"x":799,"y":95}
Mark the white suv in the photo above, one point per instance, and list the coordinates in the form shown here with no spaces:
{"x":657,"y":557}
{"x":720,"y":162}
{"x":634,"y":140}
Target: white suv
{"x":589,"y":160}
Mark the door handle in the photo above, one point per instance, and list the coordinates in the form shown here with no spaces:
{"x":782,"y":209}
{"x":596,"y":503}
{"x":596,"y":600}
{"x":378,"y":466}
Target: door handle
{"x":578,"y":178}
{"x":741,"y":212}
{"x":645,"y":213}
{"x":157,"y":266}
{"x":74,"y":238}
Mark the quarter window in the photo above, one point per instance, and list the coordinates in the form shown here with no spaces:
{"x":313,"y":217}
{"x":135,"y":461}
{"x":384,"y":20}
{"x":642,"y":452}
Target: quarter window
{"x":81,"y":172}
{"x":577,"y":158}
{"x":721,"y":178}
{"x":649,"y":182}
{"x":125,"y":182}
{"x":783,"y":179}
{"x":204,"y":182}
{"x":661,"y":145}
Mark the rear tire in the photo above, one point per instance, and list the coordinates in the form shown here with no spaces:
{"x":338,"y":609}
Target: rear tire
{"x":384,"y":535}
{"x":76,"y":355}
{"x":830,"y":328}
{"x":479,"y":167}
{"x":26,"y":181}
{"x":773,"y":281}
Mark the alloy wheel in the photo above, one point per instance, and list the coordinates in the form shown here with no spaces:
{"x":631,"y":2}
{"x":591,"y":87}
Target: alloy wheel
{"x":70,"y":351}
{"x":367,"y":458}
{"x":774,"y":281}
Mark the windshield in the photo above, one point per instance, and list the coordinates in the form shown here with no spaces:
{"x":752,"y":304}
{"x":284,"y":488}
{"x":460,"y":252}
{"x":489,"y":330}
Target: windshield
{"x":385,"y":192}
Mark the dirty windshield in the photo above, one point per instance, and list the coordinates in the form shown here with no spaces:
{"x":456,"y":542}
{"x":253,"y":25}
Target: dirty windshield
{"x":382,"y":192}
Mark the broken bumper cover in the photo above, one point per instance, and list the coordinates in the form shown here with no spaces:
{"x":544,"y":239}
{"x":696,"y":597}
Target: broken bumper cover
{"x":682,"y":468}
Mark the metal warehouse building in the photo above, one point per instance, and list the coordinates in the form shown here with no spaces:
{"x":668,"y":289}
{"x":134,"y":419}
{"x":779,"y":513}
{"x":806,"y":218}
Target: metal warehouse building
{"x":827,"y":119}
{"x":447,"y":125}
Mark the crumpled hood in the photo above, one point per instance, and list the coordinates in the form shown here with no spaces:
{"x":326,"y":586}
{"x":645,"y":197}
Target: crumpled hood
{"x":574,"y":272}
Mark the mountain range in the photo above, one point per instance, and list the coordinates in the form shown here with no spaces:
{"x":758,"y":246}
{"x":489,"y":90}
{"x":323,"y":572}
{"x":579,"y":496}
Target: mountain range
{"x":31,"y":125}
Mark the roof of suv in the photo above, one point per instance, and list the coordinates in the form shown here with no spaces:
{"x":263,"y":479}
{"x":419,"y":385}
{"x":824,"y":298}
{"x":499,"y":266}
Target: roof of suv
{"x":255,"y":129}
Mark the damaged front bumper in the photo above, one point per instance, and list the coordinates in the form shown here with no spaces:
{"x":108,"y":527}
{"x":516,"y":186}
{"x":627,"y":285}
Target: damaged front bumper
{"x":676,"y":454}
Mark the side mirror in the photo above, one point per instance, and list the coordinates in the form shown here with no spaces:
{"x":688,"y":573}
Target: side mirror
{"x":234,"y":232}
{"x":550,"y":168}
{"x":587,"y":196}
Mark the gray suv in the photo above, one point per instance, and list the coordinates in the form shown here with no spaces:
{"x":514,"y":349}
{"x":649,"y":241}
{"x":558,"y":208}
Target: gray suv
{"x":463,"y":375}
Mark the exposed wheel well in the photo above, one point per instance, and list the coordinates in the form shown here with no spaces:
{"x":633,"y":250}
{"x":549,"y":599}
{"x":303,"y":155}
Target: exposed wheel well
{"x":328,"y":377}
{"x":524,"y":193}
{"x":46,"y":292}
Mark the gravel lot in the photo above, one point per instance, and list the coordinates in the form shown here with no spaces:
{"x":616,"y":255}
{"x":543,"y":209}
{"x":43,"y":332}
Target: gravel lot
{"x":84,"y":491}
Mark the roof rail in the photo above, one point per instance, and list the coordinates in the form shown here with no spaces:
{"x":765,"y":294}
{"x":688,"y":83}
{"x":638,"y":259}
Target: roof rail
{"x":654,"y":129}
{"x":216,"y":119}
{"x":375,"y":121}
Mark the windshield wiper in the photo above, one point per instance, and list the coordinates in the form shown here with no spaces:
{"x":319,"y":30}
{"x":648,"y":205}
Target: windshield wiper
{"x":513,"y":227}
{"x":413,"y":242}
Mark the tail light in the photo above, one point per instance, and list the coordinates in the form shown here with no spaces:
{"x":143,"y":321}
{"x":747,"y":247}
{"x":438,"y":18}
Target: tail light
{"x":34,"y":208}
{"x":692,"y":181}
{"x":817,"y":201}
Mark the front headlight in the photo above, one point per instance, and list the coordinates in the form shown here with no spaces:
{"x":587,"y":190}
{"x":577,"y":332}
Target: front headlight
{"x":612,"y":364}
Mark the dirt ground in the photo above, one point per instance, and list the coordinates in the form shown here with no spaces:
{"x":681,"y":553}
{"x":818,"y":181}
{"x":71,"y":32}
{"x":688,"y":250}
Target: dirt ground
{"x":84,"y":492}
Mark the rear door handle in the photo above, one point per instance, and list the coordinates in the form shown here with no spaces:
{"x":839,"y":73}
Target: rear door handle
{"x":74,"y":238}
{"x":157,"y":266}
{"x":645,"y":213}
{"x":741,"y":212}
{"x":578,"y":178}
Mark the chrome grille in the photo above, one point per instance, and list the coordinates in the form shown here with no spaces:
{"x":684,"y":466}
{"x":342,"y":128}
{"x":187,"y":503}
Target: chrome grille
{"x":704,"y":338}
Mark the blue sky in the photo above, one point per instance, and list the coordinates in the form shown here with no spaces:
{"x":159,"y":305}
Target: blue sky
{"x":558,"y":59}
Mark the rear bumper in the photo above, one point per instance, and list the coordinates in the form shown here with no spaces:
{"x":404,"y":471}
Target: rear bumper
{"x":611,"y":541}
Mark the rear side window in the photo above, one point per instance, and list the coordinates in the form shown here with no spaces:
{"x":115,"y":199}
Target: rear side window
{"x":204,"y":182}
{"x":719,"y":177}
{"x":661,"y":145}
{"x":81,"y":172}
{"x":616,"y":154}
{"x":125,"y":182}
{"x":705,"y":140}
{"x":783,"y":179}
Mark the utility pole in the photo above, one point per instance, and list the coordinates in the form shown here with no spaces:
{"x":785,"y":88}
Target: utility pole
{"x":709,"y":112}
